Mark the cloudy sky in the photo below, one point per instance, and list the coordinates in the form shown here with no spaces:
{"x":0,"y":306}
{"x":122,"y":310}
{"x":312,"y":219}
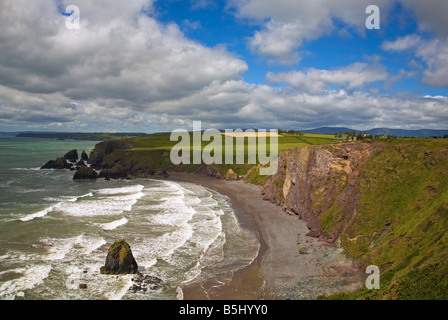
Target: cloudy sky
{"x":158,"y":65}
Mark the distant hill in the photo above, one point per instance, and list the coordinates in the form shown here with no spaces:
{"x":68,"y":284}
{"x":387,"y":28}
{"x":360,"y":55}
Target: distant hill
{"x":8,"y":134}
{"x":328,"y":130}
{"x":78,"y":136}
{"x":383,"y":131}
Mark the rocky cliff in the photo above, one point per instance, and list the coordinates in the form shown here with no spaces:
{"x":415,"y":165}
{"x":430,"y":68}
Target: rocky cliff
{"x":312,"y":181}
{"x":384,"y":202}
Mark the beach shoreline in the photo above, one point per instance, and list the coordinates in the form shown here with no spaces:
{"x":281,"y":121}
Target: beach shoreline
{"x":289,"y":265}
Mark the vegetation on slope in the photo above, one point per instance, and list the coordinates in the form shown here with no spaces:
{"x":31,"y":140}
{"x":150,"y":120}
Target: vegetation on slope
{"x":401,"y":223}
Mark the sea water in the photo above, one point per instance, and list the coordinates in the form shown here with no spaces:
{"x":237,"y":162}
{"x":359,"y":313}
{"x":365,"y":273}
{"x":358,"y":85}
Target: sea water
{"x":55,"y":231}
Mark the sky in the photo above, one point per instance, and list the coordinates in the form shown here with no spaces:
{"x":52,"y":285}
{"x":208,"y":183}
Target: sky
{"x":158,"y":65}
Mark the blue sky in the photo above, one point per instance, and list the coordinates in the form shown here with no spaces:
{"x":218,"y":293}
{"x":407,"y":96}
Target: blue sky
{"x":215,"y":24}
{"x":153,"y":65}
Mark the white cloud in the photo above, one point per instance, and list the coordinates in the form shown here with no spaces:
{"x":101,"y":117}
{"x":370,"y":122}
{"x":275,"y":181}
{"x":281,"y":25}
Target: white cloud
{"x":354,"y":76}
{"x":120,"y":58}
{"x":287,"y":24}
{"x":405,"y":43}
{"x":433,"y":52}
{"x":431,"y":14}
{"x":279,"y":41}
{"x":126,"y":71}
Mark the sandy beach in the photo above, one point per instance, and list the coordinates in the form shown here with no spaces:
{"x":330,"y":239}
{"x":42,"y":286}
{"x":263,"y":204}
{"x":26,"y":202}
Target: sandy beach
{"x":290,"y":265}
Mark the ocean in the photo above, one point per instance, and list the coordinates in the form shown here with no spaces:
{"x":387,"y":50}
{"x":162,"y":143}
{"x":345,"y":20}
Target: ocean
{"x":55,"y":231}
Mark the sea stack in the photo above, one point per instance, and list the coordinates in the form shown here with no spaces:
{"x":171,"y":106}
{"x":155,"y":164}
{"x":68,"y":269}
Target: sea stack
{"x":72,"y":155}
{"x":59,"y":163}
{"x":120,"y":260}
{"x":84,"y":173}
{"x":84,"y":156}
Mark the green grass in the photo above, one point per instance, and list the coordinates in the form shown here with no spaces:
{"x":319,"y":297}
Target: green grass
{"x":153,"y":151}
{"x":401,"y":223}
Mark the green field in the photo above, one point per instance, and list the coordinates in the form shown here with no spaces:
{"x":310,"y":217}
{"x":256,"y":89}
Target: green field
{"x":153,"y":152}
{"x":161,"y":141}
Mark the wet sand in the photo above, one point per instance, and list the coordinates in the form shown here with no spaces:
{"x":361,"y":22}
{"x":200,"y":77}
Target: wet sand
{"x":282,"y":269}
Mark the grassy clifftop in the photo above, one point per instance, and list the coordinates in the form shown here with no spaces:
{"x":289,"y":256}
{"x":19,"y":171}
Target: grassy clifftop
{"x":152,"y":153}
{"x":401,"y":221}
{"x":385,"y":202}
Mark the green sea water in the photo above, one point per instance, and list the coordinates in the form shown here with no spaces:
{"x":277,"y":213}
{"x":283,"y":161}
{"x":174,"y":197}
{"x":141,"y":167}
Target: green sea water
{"x":55,"y":231}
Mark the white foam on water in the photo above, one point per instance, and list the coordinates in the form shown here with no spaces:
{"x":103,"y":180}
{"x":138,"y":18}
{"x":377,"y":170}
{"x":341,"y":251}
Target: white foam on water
{"x":114,"y":205}
{"x":31,"y":276}
{"x":104,"y":202}
{"x":123,"y":190}
{"x":118,"y":288}
{"x":25,"y":191}
{"x":114,"y":224}
{"x":59,"y":249}
{"x":25,"y":169}
{"x":90,"y":245}
{"x":74,"y":199}
{"x":7,"y":183}
{"x":61,"y":201}
{"x":39,"y":214}
{"x":52,"y":199}
{"x":195,"y":215}
{"x":14,"y":256}
{"x":179,"y":293}
{"x":174,"y":213}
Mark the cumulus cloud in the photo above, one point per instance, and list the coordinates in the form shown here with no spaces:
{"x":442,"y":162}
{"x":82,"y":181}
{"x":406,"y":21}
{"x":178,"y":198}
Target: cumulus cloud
{"x":286,"y":24}
{"x":126,"y":71}
{"x":279,"y":41}
{"x":405,"y":43}
{"x":431,"y":14}
{"x":354,"y":76}
{"x":433,"y":52}
{"x":120,"y":56}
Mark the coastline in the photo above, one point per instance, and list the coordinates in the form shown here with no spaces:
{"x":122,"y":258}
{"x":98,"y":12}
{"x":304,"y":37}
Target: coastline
{"x":282,"y":269}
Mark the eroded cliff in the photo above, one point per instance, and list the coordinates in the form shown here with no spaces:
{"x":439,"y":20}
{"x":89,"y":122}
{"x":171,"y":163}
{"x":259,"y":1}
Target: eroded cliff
{"x":385,"y":203}
{"x":318,"y":183}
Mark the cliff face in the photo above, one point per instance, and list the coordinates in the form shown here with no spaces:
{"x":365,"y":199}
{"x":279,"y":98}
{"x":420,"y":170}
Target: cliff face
{"x":99,"y":155}
{"x":386,"y":203}
{"x":318,"y":183}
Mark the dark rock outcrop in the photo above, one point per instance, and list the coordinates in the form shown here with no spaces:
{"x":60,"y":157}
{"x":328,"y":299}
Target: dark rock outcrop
{"x":120,"y":260}
{"x":85,"y":172}
{"x":99,"y":156}
{"x":143,"y":283}
{"x":84,"y":156}
{"x":211,"y":170}
{"x":116,"y":172}
{"x":59,"y":163}
{"x":72,"y":155}
{"x":80,"y":163}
